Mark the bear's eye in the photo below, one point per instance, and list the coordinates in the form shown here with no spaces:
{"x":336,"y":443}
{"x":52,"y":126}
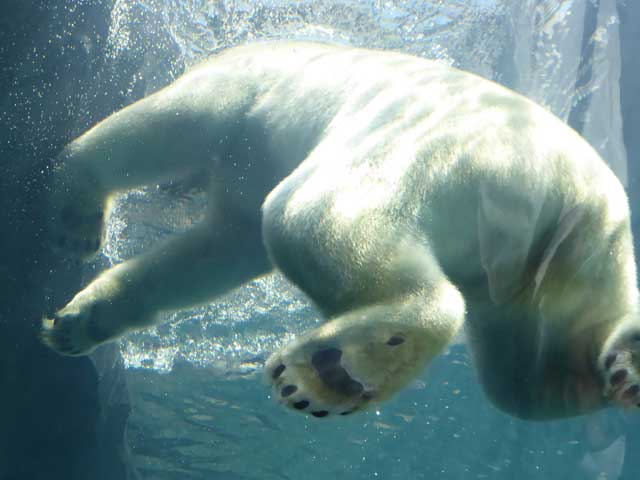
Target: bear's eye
{"x":396,"y":339}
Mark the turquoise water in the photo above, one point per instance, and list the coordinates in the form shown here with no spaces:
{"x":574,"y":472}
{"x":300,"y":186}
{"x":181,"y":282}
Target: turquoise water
{"x":190,"y":424}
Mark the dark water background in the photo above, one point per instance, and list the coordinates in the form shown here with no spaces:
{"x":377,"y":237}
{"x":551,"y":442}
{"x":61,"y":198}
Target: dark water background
{"x":202,"y":413}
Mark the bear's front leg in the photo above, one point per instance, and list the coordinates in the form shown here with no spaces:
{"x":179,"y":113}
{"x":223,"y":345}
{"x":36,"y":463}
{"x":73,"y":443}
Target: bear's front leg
{"x":367,"y":355}
{"x":188,"y":269}
{"x":104,"y":310}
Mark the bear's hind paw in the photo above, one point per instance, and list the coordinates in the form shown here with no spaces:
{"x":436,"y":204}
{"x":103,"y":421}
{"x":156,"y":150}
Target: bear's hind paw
{"x":327,"y":390}
{"x":622,"y":379}
{"x":347,"y":365}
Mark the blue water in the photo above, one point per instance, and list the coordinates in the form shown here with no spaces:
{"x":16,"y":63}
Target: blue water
{"x":199,"y":407}
{"x":187,"y":423}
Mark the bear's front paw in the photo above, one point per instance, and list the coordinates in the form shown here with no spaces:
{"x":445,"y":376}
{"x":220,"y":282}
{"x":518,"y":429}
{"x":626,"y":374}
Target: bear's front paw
{"x":620,"y":367}
{"x":337,"y":370}
{"x":77,"y":209}
{"x":74,"y":333}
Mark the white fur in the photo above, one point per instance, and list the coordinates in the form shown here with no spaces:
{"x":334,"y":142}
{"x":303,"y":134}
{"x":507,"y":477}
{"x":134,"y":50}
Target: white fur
{"x":391,"y":189}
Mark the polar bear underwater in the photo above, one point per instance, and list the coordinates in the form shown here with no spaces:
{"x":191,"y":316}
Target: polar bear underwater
{"x":404,"y":197}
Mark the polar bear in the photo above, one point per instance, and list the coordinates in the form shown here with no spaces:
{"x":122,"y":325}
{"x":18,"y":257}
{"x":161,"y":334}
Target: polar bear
{"x":403,"y":196}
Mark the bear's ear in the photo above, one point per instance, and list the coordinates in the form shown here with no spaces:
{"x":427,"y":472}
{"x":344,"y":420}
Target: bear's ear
{"x":507,"y":226}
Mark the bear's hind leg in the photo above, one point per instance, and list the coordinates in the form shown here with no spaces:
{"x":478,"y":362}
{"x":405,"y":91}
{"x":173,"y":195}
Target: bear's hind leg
{"x":367,"y":354}
{"x":169,"y":135}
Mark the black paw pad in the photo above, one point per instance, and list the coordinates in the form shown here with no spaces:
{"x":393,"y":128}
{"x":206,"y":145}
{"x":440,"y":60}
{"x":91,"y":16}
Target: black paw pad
{"x":631,"y":392}
{"x":618,"y":377}
{"x":327,"y":364}
{"x":611,"y":358}
{"x":278,"y":371}
{"x":288,"y":390}
{"x":301,"y":405}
